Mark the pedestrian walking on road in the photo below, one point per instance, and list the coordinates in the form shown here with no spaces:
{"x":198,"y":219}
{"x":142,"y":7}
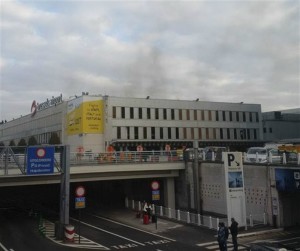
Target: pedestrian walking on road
{"x":234,"y":232}
{"x":222,"y":236}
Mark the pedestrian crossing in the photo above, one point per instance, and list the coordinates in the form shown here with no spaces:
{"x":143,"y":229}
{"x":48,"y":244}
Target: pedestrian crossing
{"x":79,"y":242}
{"x":214,"y":246}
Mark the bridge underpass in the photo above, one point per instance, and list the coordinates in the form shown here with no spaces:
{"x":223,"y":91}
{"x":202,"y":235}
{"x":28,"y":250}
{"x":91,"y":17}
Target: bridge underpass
{"x":107,"y":183}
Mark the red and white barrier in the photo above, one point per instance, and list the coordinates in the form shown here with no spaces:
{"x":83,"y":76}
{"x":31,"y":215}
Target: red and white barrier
{"x":69,"y":233}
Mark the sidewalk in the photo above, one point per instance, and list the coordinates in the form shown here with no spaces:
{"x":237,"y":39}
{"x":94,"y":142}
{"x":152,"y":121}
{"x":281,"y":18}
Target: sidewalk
{"x":128,"y":216}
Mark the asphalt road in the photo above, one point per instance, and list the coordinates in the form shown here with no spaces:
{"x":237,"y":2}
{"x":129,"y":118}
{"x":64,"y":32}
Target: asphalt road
{"x":19,"y":232}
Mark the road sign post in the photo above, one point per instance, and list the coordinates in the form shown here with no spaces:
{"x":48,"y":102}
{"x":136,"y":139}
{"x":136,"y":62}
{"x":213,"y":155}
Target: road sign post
{"x":79,"y":204}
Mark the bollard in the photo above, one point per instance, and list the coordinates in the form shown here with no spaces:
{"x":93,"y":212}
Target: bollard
{"x":69,"y":233}
{"x":199,"y":220}
{"x":178,"y":214}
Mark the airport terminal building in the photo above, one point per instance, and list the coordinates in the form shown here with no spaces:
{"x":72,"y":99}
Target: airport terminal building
{"x":93,"y":123}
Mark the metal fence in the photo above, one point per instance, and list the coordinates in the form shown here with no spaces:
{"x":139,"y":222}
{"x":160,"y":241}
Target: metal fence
{"x":124,"y":157}
{"x":186,"y":217}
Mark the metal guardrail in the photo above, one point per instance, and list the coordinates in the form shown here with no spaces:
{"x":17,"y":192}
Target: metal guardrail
{"x":124,"y":157}
{"x":186,"y":217}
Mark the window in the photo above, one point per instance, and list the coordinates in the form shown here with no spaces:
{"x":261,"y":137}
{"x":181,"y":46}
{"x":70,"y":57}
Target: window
{"x":148,"y":113}
{"x":169,"y":133}
{"x":195,"y":115}
{"x":265,"y":130}
{"x":200,"y":133}
{"x":118,"y":132}
{"x":230,"y":115}
{"x":221,"y":133}
{"x":114,"y":112}
{"x":188,"y":114}
{"x":248,"y":133}
{"x":224,"y":115}
{"x":209,"y":115}
{"x":234,"y":133}
{"x":217,"y":115}
{"x":172,"y":114}
{"x":152,"y":132}
{"x":140,"y":113}
{"x":177,"y":133}
{"x":128,"y":132}
{"x":214,"y":133}
{"x":165,"y":114}
{"x":255,"y":133}
{"x":136,"y":132}
{"x":184,"y":133}
{"x":207,"y":133}
{"x":180,"y":114}
{"x":156,"y":113}
{"x":270,"y":130}
{"x":192,"y":133}
{"x":228,"y":133}
{"x":123,"y":112}
{"x":237,"y":116}
{"x":161,"y":133}
{"x":202,"y":115}
{"x":145,"y":132}
{"x":256,"y":115}
{"x":250,"y":116}
{"x":244,"y":117}
{"x":131,"y":113}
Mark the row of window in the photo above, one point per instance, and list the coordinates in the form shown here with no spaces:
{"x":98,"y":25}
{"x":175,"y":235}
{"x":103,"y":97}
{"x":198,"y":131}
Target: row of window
{"x":177,"y":133}
{"x":182,"y":114}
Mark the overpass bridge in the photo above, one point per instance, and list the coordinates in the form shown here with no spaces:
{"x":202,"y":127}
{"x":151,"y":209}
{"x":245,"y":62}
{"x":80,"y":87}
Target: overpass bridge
{"x":91,"y":166}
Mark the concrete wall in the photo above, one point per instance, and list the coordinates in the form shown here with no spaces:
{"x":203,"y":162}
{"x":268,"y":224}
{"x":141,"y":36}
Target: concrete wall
{"x":260,"y":189}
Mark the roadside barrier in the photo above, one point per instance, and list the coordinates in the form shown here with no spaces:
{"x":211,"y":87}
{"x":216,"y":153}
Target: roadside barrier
{"x":69,"y":233}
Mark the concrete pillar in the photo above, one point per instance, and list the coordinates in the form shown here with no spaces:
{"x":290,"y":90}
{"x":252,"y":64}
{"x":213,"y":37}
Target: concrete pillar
{"x":169,"y":186}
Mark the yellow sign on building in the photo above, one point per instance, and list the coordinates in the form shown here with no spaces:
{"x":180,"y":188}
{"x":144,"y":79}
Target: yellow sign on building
{"x":86,"y":117}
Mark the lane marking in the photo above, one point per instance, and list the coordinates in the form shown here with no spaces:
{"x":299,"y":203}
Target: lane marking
{"x":4,"y":248}
{"x":108,"y":232}
{"x":138,"y":229}
{"x":207,"y":243}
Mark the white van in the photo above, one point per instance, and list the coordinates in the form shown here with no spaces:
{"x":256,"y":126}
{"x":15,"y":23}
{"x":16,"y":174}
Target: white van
{"x":262,"y":155}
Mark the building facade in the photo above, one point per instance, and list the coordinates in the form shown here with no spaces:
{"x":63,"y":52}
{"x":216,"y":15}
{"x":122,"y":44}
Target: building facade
{"x":281,"y":125}
{"x":95,"y":123}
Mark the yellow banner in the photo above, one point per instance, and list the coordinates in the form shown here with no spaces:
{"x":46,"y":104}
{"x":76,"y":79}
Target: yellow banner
{"x":86,"y":118}
{"x":74,"y":121}
{"x":93,"y":117}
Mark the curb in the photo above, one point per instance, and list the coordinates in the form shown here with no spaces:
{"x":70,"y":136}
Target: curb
{"x":260,"y":232}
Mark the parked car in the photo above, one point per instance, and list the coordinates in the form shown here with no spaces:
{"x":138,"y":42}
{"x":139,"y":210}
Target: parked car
{"x":262,"y":155}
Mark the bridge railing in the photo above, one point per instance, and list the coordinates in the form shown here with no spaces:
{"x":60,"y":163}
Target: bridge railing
{"x":123,"y":157}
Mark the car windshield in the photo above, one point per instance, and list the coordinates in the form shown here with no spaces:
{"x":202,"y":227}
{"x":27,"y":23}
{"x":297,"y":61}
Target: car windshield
{"x":257,"y":150}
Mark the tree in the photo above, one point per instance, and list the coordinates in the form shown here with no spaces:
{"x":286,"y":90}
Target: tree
{"x":54,"y":139}
{"x":22,"y":142}
{"x":32,"y":141}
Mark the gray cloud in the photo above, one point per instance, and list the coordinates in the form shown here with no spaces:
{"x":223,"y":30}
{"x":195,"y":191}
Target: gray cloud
{"x":228,"y":51}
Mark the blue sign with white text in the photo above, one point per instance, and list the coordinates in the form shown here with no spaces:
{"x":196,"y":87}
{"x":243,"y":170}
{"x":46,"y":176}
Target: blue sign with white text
{"x":40,"y":160}
{"x":287,"y":180}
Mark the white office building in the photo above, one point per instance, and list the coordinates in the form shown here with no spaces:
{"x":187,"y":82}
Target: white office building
{"x":93,"y":123}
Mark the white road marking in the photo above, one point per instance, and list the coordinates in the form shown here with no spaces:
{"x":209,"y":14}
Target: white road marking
{"x":4,"y":248}
{"x":206,"y":244}
{"x":122,"y":224}
{"x":108,"y":232}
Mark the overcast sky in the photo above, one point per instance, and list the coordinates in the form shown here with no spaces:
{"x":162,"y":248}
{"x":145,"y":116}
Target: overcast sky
{"x":229,"y":51}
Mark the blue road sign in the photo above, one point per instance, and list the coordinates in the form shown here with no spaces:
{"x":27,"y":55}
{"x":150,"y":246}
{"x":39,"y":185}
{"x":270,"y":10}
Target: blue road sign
{"x":79,"y":202}
{"x":40,"y":160}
